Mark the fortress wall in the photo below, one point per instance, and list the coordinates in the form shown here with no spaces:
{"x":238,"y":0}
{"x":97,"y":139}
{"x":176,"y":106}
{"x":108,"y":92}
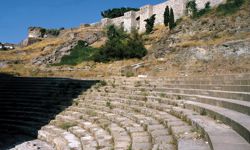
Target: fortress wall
{"x":159,"y":11}
{"x":146,"y":12}
{"x":118,"y":21}
{"x":178,"y":8}
{"x":130,"y":21}
{"x":201,"y":3}
{"x":136,"y":19}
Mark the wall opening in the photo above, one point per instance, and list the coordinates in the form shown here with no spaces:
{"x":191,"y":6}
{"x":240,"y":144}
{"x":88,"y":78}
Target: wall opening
{"x":138,"y":23}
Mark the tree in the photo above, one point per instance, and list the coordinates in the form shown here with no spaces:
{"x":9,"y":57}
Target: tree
{"x":171,"y":20}
{"x":192,"y":8}
{"x":117,"y":12}
{"x":150,"y":24}
{"x":166,"y":16}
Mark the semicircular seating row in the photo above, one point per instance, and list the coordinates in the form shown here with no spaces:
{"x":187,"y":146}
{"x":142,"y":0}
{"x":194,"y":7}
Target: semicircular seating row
{"x":186,"y":113}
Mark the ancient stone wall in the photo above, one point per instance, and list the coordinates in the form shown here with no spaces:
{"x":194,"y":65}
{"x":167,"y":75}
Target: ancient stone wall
{"x":35,"y":32}
{"x":133,"y":19}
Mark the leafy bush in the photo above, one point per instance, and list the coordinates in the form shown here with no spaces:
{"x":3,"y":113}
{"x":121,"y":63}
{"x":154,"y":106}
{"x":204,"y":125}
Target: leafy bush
{"x":150,"y":24}
{"x":116,"y":12}
{"x":82,"y":43}
{"x":204,"y":10}
{"x":78,"y":54}
{"x":195,"y":13}
{"x":230,"y":7}
{"x":191,"y":7}
{"x":54,"y":32}
{"x":121,"y":45}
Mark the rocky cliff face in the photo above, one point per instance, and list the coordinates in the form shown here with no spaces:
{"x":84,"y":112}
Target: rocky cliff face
{"x":37,"y":34}
{"x":90,"y":35}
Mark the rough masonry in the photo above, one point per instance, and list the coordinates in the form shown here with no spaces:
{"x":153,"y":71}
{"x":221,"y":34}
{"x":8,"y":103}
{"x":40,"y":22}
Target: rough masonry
{"x":135,"y":20}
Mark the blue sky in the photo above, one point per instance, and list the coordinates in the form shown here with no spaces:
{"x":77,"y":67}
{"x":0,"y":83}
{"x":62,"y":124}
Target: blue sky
{"x":17,"y":15}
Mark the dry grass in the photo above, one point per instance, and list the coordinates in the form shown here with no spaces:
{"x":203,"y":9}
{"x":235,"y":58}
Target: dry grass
{"x":221,"y":38}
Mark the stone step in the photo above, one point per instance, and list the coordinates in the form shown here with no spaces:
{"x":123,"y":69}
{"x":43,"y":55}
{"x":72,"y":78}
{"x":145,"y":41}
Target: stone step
{"x":156,"y":86}
{"x":173,"y":78}
{"x":176,"y":133}
{"x":25,"y":114}
{"x":104,"y":140}
{"x":33,"y":145}
{"x":31,"y":120}
{"x":140,"y":138}
{"x":120,"y":136}
{"x":9,"y":127}
{"x":122,"y":140}
{"x":160,"y":81}
{"x":61,"y":139}
{"x":238,"y":121}
{"x":88,"y":141}
{"x":38,"y":109}
{"x":213,"y":93}
{"x":237,"y":105}
{"x":219,"y":135}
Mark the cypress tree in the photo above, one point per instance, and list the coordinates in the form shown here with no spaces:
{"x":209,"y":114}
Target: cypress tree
{"x":166,"y":16}
{"x":171,"y":20}
{"x":150,"y":24}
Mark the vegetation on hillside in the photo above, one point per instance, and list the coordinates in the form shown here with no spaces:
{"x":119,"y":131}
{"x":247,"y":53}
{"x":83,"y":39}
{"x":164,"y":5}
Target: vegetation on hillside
{"x":117,"y":12}
{"x":54,"y":32}
{"x":81,"y":52}
{"x":231,"y":6}
{"x":171,"y":20}
{"x":166,"y":16}
{"x":150,"y":24}
{"x":120,"y":45}
{"x":195,"y":13}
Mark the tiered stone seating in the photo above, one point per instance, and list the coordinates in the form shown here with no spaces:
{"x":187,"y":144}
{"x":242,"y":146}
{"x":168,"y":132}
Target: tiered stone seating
{"x":27,"y":104}
{"x":203,"y":113}
{"x":217,"y":107}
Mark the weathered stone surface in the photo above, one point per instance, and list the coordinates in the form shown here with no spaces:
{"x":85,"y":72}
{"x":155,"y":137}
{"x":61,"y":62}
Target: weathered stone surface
{"x":33,"y":145}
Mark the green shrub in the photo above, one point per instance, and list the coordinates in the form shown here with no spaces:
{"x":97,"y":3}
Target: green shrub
{"x":109,"y":105}
{"x":150,"y":24}
{"x":43,"y":31}
{"x":103,"y":83}
{"x":116,"y":12}
{"x":130,"y":74}
{"x":204,"y":10}
{"x":192,"y":8}
{"x":82,"y":43}
{"x":79,"y":54}
{"x":231,"y":6}
{"x":54,"y":32}
{"x":121,"y":45}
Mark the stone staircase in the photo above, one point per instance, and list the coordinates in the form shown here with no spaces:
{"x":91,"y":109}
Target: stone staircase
{"x":27,"y":104}
{"x":202,"y":113}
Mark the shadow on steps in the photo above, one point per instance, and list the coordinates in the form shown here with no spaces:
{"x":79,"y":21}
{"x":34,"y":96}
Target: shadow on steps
{"x":27,"y":104}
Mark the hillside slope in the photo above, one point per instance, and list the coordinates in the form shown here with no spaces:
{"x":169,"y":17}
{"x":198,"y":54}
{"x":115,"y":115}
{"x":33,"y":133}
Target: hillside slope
{"x":211,"y":44}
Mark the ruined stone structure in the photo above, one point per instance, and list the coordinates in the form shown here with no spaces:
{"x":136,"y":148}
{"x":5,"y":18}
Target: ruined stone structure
{"x":135,"y":20}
